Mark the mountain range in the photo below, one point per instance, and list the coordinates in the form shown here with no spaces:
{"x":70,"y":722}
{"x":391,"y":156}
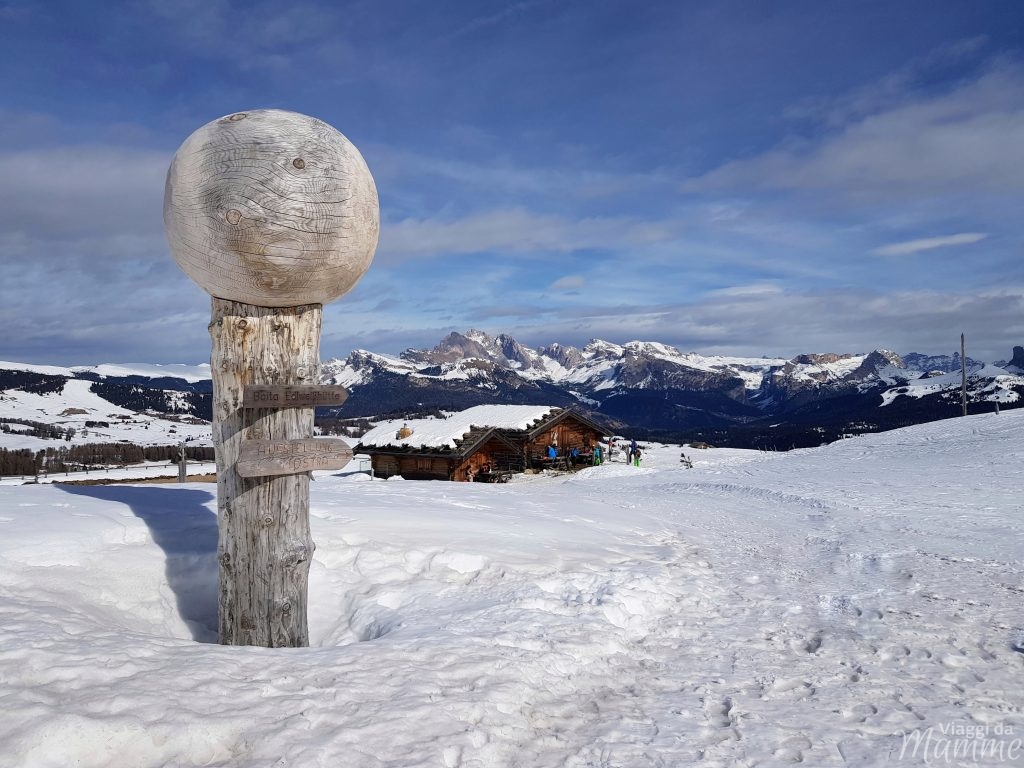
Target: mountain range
{"x":659,"y":391}
{"x":644,"y":388}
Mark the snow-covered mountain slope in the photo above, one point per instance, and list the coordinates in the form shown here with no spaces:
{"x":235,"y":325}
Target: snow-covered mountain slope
{"x":641,"y":385}
{"x":850,"y":605}
{"x":600,"y":364}
{"x":654,"y":386}
{"x":189,"y":373}
{"x":61,"y":410}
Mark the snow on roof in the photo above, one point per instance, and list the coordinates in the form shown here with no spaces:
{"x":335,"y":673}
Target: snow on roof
{"x":442,"y":433}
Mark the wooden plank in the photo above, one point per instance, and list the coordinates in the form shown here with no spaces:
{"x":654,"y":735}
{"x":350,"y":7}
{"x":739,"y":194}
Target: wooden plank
{"x":266,"y":458}
{"x":292,"y":395}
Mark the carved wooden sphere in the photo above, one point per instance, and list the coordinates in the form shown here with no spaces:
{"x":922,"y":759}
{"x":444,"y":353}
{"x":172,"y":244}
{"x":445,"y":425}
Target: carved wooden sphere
{"x":271,"y":208}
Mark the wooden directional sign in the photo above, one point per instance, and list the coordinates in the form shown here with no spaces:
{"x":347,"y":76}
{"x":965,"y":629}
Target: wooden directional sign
{"x":264,"y":458}
{"x":292,"y":395}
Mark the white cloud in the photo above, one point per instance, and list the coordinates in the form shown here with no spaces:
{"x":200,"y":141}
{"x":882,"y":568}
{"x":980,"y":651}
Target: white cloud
{"x":752,"y":289}
{"x":966,"y":140}
{"x":82,"y":191}
{"x":568,"y":283}
{"x":517,"y":230}
{"x":929,"y":243}
{"x":786,"y":324}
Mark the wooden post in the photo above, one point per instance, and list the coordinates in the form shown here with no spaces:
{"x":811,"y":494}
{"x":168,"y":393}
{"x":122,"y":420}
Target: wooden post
{"x":963,"y":374}
{"x":273,"y":214}
{"x":265,"y":543}
{"x":182,"y":463}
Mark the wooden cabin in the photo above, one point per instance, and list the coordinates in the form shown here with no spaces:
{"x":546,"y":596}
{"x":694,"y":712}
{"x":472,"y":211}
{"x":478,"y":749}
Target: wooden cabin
{"x":485,"y":443}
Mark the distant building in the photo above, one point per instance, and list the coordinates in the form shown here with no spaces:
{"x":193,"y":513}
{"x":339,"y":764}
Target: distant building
{"x":487,"y":442}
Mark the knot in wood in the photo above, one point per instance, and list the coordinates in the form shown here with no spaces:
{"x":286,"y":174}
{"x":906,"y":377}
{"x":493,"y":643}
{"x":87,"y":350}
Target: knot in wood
{"x":268,"y":520}
{"x":298,"y":554}
{"x":286,"y":607}
{"x":224,"y":558}
{"x":299,"y":163}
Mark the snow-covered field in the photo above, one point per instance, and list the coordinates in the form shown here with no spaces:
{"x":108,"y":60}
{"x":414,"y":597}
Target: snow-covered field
{"x":76,"y":406}
{"x":855,"y":604}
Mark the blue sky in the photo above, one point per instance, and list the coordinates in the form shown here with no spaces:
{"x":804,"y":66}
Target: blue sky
{"x":728,"y":177}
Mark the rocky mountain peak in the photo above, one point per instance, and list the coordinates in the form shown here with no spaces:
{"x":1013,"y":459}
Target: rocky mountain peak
{"x":826,"y":358}
{"x":455,"y":346}
{"x":875,"y":362}
{"x":1017,"y":361}
{"x":596,"y":348}
{"x":567,"y":357}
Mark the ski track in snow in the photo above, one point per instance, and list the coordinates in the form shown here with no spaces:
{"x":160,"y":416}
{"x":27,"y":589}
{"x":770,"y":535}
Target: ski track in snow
{"x":758,"y":610}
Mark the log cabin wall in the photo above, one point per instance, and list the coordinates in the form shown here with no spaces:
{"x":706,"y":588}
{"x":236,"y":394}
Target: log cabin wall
{"x":498,"y":453}
{"x":495,"y":454}
{"x":425,"y":468}
{"x":411,"y":467}
{"x":566,"y":435}
{"x":384,"y":466}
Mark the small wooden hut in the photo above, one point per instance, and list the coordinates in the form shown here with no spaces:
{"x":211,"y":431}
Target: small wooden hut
{"x":486,"y":443}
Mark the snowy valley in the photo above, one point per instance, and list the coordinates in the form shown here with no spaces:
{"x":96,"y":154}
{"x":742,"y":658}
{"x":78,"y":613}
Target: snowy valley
{"x":846,"y":605}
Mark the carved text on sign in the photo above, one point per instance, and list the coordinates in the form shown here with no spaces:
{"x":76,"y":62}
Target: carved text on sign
{"x":292,"y":396}
{"x":265,"y":458}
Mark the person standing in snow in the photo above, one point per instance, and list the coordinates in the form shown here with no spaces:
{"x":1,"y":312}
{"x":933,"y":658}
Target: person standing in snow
{"x":636,"y":457}
{"x":631,"y":451}
{"x":597,"y":454}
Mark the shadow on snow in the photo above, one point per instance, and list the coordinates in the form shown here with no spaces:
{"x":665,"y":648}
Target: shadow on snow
{"x":186,"y":530}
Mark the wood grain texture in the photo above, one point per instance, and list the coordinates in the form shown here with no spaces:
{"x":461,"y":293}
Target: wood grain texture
{"x":265,"y":544}
{"x":264,"y":458}
{"x":271,"y":208}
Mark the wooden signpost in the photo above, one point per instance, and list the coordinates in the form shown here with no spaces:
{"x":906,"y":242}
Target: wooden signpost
{"x":273,"y":214}
{"x":292,"y":396}
{"x":266,"y":458}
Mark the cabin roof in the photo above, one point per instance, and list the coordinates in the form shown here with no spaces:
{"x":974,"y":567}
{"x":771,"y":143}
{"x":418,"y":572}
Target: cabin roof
{"x":449,"y":432}
{"x":461,"y":433}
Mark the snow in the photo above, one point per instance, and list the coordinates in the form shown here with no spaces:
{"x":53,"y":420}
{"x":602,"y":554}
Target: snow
{"x":839,"y":369}
{"x":143,"y":471}
{"x":190,"y":373}
{"x":48,"y":370}
{"x":759,"y":609}
{"x":998,"y":388}
{"x":442,"y":433}
{"x":75,"y":405}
